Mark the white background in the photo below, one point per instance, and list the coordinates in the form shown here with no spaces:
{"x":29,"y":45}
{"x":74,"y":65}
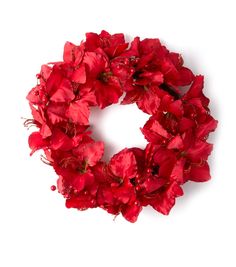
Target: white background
{"x":35,"y":227}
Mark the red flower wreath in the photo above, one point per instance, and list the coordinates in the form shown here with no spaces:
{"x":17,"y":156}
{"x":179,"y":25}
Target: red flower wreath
{"x":97,"y":73}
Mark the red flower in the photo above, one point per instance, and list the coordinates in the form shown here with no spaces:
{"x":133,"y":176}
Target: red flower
{"x":123,"y":165}
{"x":113,"y":45}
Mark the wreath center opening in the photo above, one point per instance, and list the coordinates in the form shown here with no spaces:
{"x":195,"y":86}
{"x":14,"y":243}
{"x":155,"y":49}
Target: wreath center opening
{"x":119,"y":127}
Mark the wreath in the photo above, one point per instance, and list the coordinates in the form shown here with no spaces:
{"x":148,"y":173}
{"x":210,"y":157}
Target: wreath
{"x":98,"y":72}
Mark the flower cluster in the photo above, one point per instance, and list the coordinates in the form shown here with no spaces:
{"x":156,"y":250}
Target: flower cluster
{"x":97,"y":73}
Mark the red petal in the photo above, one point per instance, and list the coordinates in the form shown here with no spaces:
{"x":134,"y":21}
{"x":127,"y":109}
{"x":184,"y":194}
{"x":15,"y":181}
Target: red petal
{"x":88,"y":95}
{"x":45,"y":131}
{"x":176,"y":143}
{"x":79,"y":75}
{"x":61,"y":141}
{"x":54,"y":80}
{"x":64,"y":93}
{"x":92,"y":41}
{"x":149,"y":102}
{"x":45,"y":73}
{"x":56,"y":112}
{"x":176,"y":108}
{"x":196,"y":89}
{"x":200,"y":173}
{"x":134,"y":48}
{"x":95,"y":62}
{"x":82,"y":202}
{"x":149,"y":45}
{"x":90,"y":152}
{"x":204,"y":129}
{"x":177,"y":172}
{"x":185,"y":124}
{"x":78,"y":112}
{"x":132,"y":96}
{"x":36,"y":142}
{"x":107,"y":94}
{"x":186,"y":77}
{"x":156,"y":127}
{"x":199,"y":151}
{"x":131,"y":212}
{"x":167,"y":199}
{"x":153,"y":183}
{"x":123,"y":164}
{"x":72,"y":53}
{"x":81,"y":181}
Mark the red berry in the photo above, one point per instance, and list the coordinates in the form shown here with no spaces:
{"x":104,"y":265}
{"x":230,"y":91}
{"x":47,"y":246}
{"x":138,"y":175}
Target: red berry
{"x":53,"y":188}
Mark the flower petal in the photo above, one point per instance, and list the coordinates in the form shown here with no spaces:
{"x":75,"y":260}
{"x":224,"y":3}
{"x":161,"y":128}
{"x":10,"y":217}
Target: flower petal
{"x":90,"y":152}
{"x":123,"y":164}
{"x":166,"y":199}
{"x":79,"y":75}
{"x":149,"y":102}
{"x":36,"y":142}
{"x":200,"y":173}
{"x":131,"y":212}
{"x":78,"y":112}
{"x":64,"y":93}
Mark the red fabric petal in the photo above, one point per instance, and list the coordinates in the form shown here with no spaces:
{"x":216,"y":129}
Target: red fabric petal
{"x":166,"y":199}
{"x":176,"y":143}
{"x":78,"y":112}
{"x":199,"y":151}
{"x":72,"y":53}
{"x":36,"y":142}
{"x":56,"y":112}
{"x":82,"y":180}
{"x":107,"y":93}
{"x":79,"y":75}
{"x":54,"y":80}
{"x":64,"y":93}
{"x":204,"y":129}
{"x":61,"y":141}
{"x":131,"y":212}
{"x":96,"y":63}
{"x":149,"y":102}
{"x":176,"y":108}
{"x":90,"y":152}
{"x":185,"y":76}
{"x":185,"y":124}
{"x":200,"y":173}
{"x":87,"y":94}
{"x":177,"y":172}
{"x":132,"y":96}
{"x":123,"y":164}
{"x":153,"y":127}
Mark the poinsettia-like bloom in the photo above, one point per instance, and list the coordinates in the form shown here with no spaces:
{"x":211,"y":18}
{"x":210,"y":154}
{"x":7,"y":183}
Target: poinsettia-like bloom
{"x":119,"y":195}
{"x":97,"y":73}
{"x":106,"y":86}
{"x":145,"y":68}
{"x":113,"y":45}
